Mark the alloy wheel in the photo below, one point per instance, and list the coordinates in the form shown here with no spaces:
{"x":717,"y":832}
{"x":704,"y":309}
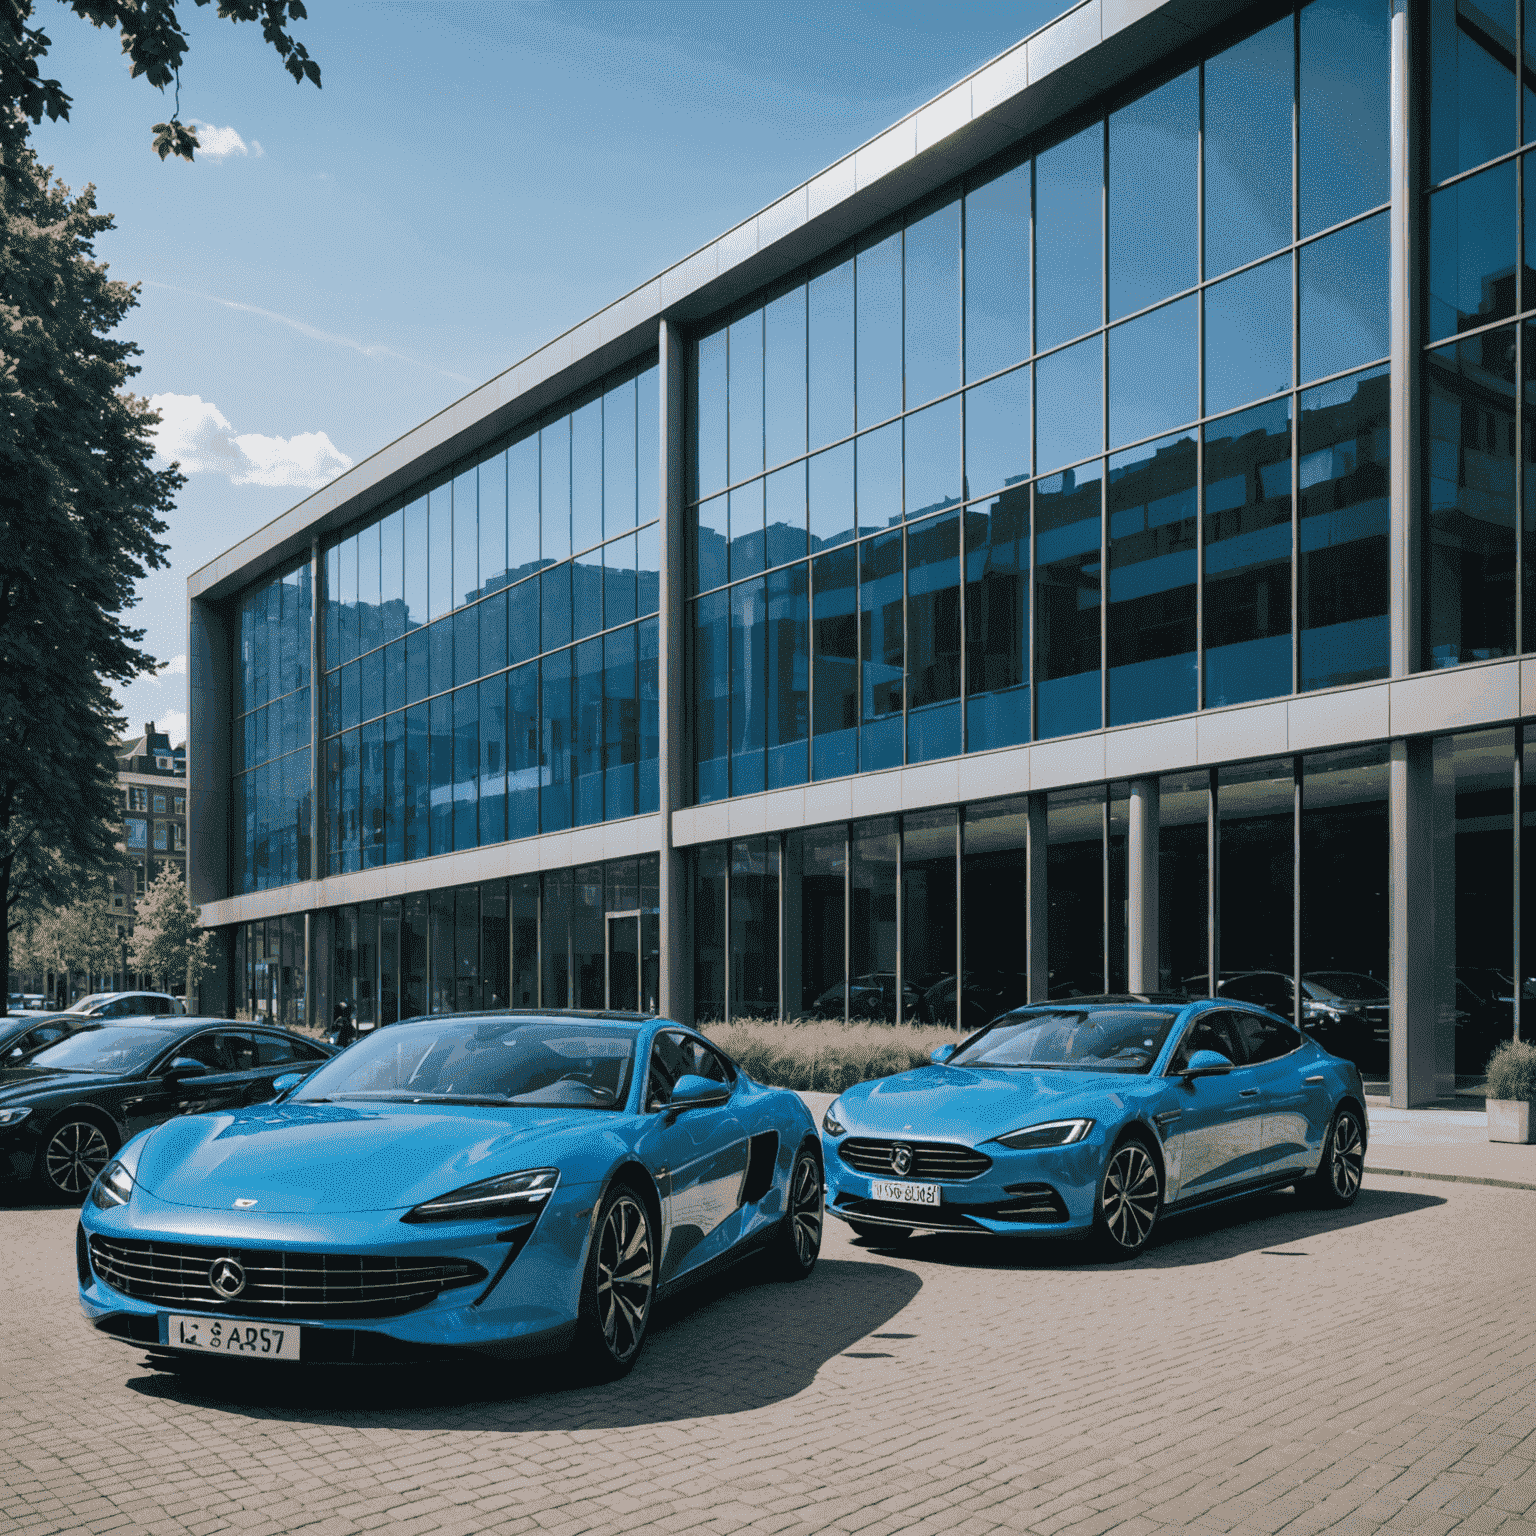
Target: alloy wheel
{"x":1131,"y":1196}
{"x":625,"y":1277}
{"x":805,"y":1210}
{"x":1346,"y":1164}
{"x":75,"y":1154}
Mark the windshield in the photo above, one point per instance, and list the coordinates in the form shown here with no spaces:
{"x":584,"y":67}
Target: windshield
{"x":114,"y":1048}
{"x":572,"y":1063}
{"x":86,"y":1004}
{"x":1081,"y":1039}
{"x":1350,"y":984}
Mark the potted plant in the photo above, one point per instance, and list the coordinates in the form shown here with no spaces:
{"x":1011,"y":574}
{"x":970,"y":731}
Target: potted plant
{"x":1511,"y":1091}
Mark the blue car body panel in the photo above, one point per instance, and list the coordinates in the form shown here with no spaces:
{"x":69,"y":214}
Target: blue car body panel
{"x":1261,"y":1126}
{"x":337,"y":1178}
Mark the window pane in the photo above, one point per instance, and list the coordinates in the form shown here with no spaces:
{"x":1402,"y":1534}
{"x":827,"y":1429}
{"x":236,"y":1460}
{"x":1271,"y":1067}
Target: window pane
{"x":416,"y":541}
{"x":372,"y":685}
{"x":589,"y":732}
{"x":831,"y":496}
{"x":1069,"y":182}
{"x":788,"y":692}
{"x":784,"y":376}
{"x":1074,"y":878}
{"x":1344,"y":299}
{"x":587,"y":594}
{"x":880,"y":624}
{"x":712,"y":695}
{"x":648,"y":569}
{"x":555,"y":941}
{"x":493,"y":632}
{"x":933,"y":638}
{"x":1183,"y":860}
{"x":877,"y":278}
{"x":1153,"y":218}
{"x":525,"y":941}
{"x":619,"y":459}
{"x":621,"y":722}
{"x":1470,"y":559}
{"x":997,"y":433}
{"x":709,"y":922}
{"x":466,"y":768}
{"x":522,"y":508}
{"x":933,"y":305}
{"x":712,"y":541}
{"x":1069,"y":413}
{"x":709,"y":455}
{"x":1248,"y":102}
{"x":555,"y":490}
{"x":650,"y":721}
{"x":746,"y":396}
{"x":368,"y":635}
{"x":523,"y":621}
{"x":587,"y":475}
{"x":1153,"y":562}
{"x":1342,"y":110}
{"x":749,"y":676}
{"x":523,"y":737}
{"x":1248,"y":336}
{"x":440,"y":550}
{"x":440,"y":767}
{"x":466,"y":644}
{"x":394,"y":787}
{"x":555,"y":605}
{"x":784,"y":513}
{"x":997,"y":621}
{"x":1528,"y":494}
{"x":619,"y":581}
{"x":815,"y":902}
{"x":1344,"y":531}
{"x":418,"y":783}
{"x":493,"y":759}
{"x":1472,"y":252}
{"x":1256,"y":805}
{"x":933,"y":469}
{"x":1471,"y":84}
{"x":466,"y":537}
{"x":872,"y":920}
{"x":392,"y":576}
{"x":754,"y":927}
{"x":1153,"y":377}
{"x":556,"y":742}
{"x":1248,"y":556}
{"x":997,"y":273}
{"x":830,"y":352}
{"x":747,"y":529}
{"x":835,"y":665}
{"x":1067,"y":563}
{"x":929,"y":928}
{"x":346,"y":645}
{"x":648,"y":444}
{"x":877,"y":457}
{"x":371,"y":748}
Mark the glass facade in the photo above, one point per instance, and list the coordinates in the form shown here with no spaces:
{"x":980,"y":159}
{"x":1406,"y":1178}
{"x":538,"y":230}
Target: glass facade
{"x":1054,"y":347}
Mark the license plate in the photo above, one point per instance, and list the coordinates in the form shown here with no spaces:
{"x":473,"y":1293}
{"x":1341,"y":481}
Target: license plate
{"x":233,"y":1336}
{"x":904,"y":1194}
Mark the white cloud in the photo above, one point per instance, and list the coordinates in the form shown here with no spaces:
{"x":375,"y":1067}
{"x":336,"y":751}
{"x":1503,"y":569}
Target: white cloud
{"x":196,"y":433}
{"x":177,"y":665}
{"x":174,"y":723}
{"x":219,"y":143}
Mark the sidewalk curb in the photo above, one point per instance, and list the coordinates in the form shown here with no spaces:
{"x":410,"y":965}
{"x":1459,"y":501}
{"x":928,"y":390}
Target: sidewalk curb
{"x":1450,"y":1178}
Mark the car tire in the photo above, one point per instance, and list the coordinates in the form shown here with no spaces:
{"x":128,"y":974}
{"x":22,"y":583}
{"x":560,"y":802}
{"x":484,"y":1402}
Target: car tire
{"x":1339,"y":1174}
{"x":1128,"y":1202}
{"x":875,"y":1232}
{"x":619,"y":1285}
{"x":74,"y":1150}
{"x":797,"y":1241}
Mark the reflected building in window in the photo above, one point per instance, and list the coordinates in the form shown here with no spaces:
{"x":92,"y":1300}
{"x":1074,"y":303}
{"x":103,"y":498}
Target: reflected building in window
{"x":1066,"y":547}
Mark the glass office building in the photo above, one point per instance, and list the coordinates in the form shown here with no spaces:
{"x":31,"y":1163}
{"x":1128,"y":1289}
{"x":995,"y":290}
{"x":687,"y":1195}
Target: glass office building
{"x":1081,"y":541}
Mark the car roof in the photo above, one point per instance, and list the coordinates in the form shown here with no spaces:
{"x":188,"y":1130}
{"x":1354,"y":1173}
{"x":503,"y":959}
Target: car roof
{"x":595,"y":1015}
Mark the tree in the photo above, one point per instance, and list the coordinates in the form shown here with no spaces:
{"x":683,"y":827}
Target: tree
{"x":156,"y":45}
{"x":81,"y":511}
{"x":79,"y":937}
{"x":168,"y":940}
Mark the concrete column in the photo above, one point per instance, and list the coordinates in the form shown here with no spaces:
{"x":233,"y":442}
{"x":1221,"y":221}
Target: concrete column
{"x":1402,"y":258}
{"x":1037,"y":903}
{"x":209,"y":700}
{"x":1141,"y":917}
{"x":676,"y":1000}
{"x":1411,"y":897}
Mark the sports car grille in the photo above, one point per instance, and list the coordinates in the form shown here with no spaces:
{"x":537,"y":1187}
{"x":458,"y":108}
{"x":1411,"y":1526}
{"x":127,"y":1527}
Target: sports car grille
{"x":277,"y":1283}
{"x":937,"y":1161}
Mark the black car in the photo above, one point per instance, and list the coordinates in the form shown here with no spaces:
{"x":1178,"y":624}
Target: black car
{"x":68,"y":1107}
{"x":1342,"y":1024}
{"x":20,"y":1035}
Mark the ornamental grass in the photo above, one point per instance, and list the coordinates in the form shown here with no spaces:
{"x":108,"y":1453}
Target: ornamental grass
{"x":823,"y":1055}
{"x":1512,"y":1072}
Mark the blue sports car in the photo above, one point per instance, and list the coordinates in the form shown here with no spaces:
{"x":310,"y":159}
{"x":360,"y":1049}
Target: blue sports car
{"x":505,"y":1183}
{"x":1094,"y":1117}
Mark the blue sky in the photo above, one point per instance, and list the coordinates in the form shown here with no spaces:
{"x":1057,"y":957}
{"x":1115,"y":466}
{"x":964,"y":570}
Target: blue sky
{"x":475,"y":177}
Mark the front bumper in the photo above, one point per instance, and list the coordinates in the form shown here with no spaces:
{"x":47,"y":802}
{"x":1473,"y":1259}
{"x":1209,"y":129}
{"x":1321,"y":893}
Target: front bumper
{"x":526,"y":1303}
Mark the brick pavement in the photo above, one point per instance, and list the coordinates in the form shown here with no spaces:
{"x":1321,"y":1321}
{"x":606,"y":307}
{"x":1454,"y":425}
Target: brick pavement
{"x":1270,"y":1369}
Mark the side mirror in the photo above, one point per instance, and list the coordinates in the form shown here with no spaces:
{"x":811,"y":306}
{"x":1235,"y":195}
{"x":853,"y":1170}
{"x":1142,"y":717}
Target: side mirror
{"x":940,"y":1054}
{"x":1206,"y":1064}
{"x":693,"y":1092}
{"x":284,"y":1085}
{"x":184,"y":1066}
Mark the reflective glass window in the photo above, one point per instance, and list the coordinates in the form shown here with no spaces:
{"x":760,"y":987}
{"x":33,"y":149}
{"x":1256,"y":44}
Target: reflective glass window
{"x":747,"y":540}
{"x":712,"y":695}
{"x":647,"y":437}
{"x":929,"y":932}
{"x":745,"y":366}
{"x":709,"y":930}
{"x":1153,"y":372}
{"x":522,"y":508}
{"x":709,"y":413}
{"x":815,"y":920}
{"x":372,"y":794}
{"x":619,"y":467}
{"x":932,"y":251}
{"x":877,"y":471}
{"x":1248,"y":336}
{"x":492,"y":789}
{"x":749,"y":677}
{"x":587,"y":594}
{"x":1342,"y":111}
{"x":834,"y":664}
{"x":418,"y":783}
{"x":586,"y":475}
{"x":440,"y":770}
{"x":1067,"y":582}
{"x":332,"y":632}
{"x":997,"y":273}
{"x":883,"y":649}
{"x":1473,"y":106}
{"x":933,"y":638}
{"x":466,"y":537}
{"x":416,"y":669}
{"x":1183,"y":881}
{"x":1154,"y":222}
{"x":784,"y":514}
{"x":648,"y":569}
{"x":1069,"y":229}
{"x":831,"y":496}
{"x":787,"y":653}
{"x":1343,"y":557}
{"x":416,"y":541}
{"x":621,"y":721}
{"x":555,"y":941}
{"x":351,"y":696}
{"x":1069,"y":413}
{"x":392,"y":576}
{"x":784,"y":376}
{"x":394,"y":787}
{"x":440,"y":655}
{"x":1472,"y":228}
{"x":649,"y":788}
{"x":1248,"y":555}
{"x":492,"y":615}
{"x":1528,"y":521}
{"x":829,"y":352}
{"x":1344,"y":299}
{"x":1256,"y":807}
{"x":466,"y":645}
{"x":1153,"y":567}
{"x":872,"y":896}
{"x":933,"y":451}
{"x":523,"y":621}
{"x":440,"y":550}
{"x":555,"y":490}
{"x":997,"y":621}
{"x":997,"y":433}
{"x":589,"y":732}
{"x":523,"y":738}
{"x":555,"y":605}
{"x":346,"y":619}
{"x":754,"y":928}
{"x":351,"y":801}
{"x":1249,"y":90}
{"x":1074,"y":881}
{"x":557,"y":741}
{"x":368,"y":635}
{"x":466,"y":767}
{"x":711,"y":528}
{"x":877,"y":282}
{"x":372,"y":686}
{"x":619,"y":581}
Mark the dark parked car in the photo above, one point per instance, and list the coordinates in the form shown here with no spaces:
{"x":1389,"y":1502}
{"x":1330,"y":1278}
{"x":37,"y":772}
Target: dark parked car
{"x":69,"y":1106}
{"x":1342,"y":1025}
{"x":983,"y":995}
{"x":872,"y":996}
{"x":20,"y":1036}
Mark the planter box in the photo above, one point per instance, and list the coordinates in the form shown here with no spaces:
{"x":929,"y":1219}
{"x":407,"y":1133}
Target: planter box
{"x":1509,"y":1120}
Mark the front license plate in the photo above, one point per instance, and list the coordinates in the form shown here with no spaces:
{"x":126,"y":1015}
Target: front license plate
{"x":904,"y":1194}
{"x":232,"y":1336}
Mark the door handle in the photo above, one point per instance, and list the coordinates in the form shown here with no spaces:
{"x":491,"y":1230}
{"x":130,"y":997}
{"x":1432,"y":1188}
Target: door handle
{"x":1248,"y":1093}
{"x":1316,"y":1079}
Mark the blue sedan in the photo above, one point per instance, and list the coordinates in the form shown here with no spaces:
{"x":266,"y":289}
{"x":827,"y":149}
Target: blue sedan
{"x":1095,"y":1118}
{"x":505,"y":1183}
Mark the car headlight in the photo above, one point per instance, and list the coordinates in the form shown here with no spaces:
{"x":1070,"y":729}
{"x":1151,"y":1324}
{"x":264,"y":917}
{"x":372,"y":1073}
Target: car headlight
{"x":829,"y":1121}
{"x":13,"y":1116}
{"x":113,"y":1186}
{"x":513,"y":1194}
{"x":1051,"y":1133}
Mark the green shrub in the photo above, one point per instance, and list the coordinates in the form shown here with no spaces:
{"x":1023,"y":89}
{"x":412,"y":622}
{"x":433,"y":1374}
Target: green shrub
{"x":823,"y":1055}
{"x":1512,"y":1072}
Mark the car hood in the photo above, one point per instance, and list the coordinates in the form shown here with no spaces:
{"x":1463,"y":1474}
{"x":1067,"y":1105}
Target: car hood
{"x":976,"y":1104}
{"x":20,"y":1084}
{"x":310,"y":1158}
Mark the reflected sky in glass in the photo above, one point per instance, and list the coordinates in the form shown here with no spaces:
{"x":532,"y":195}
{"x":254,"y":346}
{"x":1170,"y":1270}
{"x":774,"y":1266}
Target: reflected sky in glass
{"x":1069,"y":409}
{"x":1342,"y":116}
{"x":997,"y":433}
{"x":1069,"y":221}
{"x":1248,"y":336}
{"x":1344,"y":299}
{"x":1153,"y":377}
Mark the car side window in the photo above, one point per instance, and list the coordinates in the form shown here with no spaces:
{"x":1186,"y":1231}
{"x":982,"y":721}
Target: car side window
{"x":204,"y":1049}
{"x":1212,"y":1031}
{"x":1266,"y":1039}
{"x":677,"y":1055}
{"x":274,"y":1050}
{"x":239,"y":1050}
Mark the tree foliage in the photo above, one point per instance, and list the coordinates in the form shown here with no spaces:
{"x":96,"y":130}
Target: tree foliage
{"x":155,"y":43}
{"x":168,"y":940}
{"x":81,"y":512}
{"x":81,"y":936}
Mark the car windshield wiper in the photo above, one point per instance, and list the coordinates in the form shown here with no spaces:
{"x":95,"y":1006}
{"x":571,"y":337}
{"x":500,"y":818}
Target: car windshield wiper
{"x":400,"y":1096}
{"x":1016,"y":1066}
